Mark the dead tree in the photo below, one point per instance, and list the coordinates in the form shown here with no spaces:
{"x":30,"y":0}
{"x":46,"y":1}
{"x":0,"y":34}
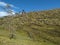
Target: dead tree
{"x":10,"y":26}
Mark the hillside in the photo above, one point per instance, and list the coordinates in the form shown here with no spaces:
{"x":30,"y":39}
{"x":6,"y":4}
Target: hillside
{"x":33,"y":28}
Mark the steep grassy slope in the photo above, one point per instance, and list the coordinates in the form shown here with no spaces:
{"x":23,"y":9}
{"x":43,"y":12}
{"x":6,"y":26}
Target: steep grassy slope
{"x":34,"y":28}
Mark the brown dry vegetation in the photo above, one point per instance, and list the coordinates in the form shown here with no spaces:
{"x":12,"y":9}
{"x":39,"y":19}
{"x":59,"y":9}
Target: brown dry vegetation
{"x":41,"y":28}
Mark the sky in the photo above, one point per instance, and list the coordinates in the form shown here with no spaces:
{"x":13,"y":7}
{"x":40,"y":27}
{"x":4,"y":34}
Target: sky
{"x":28,"y":5}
